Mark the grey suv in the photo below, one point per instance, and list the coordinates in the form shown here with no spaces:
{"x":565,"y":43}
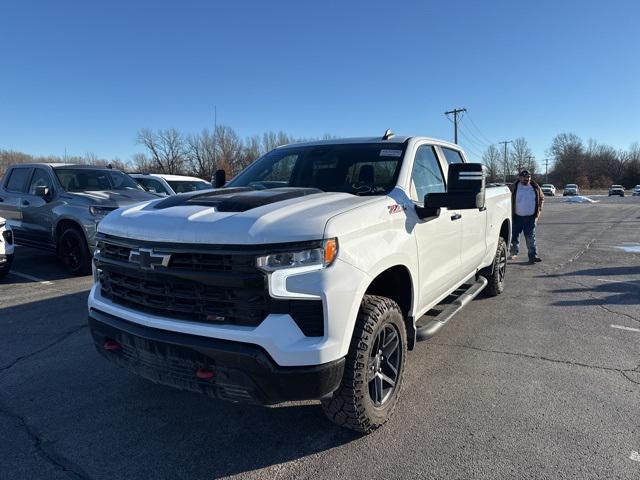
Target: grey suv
{"x":58,"y":206}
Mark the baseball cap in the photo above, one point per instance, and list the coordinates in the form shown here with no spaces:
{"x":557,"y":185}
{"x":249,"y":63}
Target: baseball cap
{"x":525,"y":173}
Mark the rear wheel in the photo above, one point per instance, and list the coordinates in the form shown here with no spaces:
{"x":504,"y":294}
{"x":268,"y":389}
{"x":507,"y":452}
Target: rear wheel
{"x":374,"y":368}
{"x":74,"y":252}
{"x":495,"y":274}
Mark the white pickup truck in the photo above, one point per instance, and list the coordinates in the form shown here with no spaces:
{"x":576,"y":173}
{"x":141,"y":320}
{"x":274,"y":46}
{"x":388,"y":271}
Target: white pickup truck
{"x":308,"y":276}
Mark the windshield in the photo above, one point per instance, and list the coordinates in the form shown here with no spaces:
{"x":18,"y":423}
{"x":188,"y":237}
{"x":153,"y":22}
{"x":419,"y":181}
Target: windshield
{"x":571,"y":185}
{"x":88,"y":180}
{"x":547,"y":185}
{"x":360,"y":169}
{"x":181,"y":186}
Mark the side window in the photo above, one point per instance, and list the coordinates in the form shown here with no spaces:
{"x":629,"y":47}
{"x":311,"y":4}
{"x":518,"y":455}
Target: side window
{"x":426,"y":174}
{"x":17,"y":180}
{"x":40,"y":178}
{"x":153,"y":185}
{"x":452,"y":156}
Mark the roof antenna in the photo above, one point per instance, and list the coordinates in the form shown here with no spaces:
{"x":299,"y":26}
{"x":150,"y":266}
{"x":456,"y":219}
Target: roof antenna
{"x":387,"y":134}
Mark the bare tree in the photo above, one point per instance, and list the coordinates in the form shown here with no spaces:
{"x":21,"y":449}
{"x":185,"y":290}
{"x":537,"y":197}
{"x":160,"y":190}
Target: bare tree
{"x":492,"y":159}
{"x":201,"y":154}
{"x":166,"y":148}
{"x":521,"y":156}
{"x":228,"y":148}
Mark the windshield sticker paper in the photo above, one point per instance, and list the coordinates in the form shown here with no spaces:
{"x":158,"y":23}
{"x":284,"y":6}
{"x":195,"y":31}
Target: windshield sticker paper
{"x":390,"y":153}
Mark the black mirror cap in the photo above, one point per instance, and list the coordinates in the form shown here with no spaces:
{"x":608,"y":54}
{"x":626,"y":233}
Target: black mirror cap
{"x":465,"y":188}
{"x":43,"y":192}
{"x":454,"y":201}
{"x":219,"y":179}
{"x":466,"y":178}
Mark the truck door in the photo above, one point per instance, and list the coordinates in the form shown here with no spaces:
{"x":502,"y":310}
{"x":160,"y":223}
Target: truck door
{"x":37,"y":216}
{"x":11,"y":195}
{"x":438,"y":238}
{"x":474,"y":228}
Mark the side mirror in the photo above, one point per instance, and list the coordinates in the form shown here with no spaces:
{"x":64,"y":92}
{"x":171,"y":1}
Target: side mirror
{"x":465,"y":190}
{"x":219,"y":179}
{"x":43,"y":192}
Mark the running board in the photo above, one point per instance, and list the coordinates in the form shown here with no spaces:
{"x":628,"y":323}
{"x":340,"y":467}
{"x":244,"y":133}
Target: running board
{"x":436,"y":323}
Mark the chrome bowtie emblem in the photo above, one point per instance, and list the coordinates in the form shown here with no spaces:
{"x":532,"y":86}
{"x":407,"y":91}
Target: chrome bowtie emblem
{"x":148,"y":260}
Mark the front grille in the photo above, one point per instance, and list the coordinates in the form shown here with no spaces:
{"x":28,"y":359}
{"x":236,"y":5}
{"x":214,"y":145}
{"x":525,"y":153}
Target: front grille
{"x":219,"y":287}
{"x":167,"y":296}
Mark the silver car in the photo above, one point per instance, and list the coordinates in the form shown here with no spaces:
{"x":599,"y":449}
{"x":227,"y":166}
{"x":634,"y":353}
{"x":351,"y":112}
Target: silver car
{"x":58,"y":206}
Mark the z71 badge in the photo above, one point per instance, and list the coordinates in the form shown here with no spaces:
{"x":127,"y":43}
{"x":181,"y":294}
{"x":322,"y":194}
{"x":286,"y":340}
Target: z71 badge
{"x":395,"y":208}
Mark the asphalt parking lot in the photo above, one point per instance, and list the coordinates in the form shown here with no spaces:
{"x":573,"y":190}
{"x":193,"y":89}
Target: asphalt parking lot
{"x":541,"y":382}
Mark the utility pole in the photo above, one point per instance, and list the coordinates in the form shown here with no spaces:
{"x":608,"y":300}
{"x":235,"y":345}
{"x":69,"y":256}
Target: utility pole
{"x":215,"y":136}
{"x":546,"y":170}
{"x":505,"y":158}
{"x":455,"y":112}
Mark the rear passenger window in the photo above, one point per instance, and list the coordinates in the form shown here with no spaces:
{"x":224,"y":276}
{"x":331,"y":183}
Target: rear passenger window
{"x":18,"y":179}
{"x":426,"y":175}
{"x":452,"y":156}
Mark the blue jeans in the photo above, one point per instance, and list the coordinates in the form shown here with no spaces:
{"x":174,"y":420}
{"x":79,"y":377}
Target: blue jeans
{"x":528,"y":226}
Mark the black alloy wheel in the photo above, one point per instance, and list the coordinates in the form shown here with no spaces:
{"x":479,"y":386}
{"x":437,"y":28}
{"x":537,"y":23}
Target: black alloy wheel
{"x":74,"y":253}
{"x":384,"y":363}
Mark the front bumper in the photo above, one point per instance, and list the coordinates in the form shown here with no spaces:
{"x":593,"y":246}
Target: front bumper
{"x":232,"y":370}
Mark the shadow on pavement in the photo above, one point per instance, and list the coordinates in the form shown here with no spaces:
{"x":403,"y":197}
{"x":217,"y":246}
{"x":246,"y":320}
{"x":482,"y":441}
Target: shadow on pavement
{"x":599,"y":272}
{"x":618,"y":293}
{"x":108,"y":421}
{"x":41,"y":264}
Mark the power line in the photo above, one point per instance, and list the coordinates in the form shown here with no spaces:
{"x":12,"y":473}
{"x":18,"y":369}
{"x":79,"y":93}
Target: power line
{"x":479,"y":131}
{"x":455,"y":113}
{"x":476,"y":142}
{"x":477,"y":139}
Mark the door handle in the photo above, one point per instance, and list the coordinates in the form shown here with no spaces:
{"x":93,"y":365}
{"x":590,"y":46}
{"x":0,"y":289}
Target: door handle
{"x":456,"y":216}
{"x":25,"y":202}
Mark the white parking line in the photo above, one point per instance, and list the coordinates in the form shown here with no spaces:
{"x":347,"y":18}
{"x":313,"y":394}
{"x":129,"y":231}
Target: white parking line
{"x":635,"y":456}
{"x":621,"y":327}
{"x":30,"y":277}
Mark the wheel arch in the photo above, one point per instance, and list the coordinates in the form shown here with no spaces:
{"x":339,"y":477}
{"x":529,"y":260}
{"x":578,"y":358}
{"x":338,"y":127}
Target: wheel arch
{"x":505,"y":231}
{"x":396,"y":283}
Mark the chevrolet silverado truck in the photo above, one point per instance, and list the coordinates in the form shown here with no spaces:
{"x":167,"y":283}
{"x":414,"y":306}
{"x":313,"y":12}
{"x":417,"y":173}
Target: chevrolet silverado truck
{"x":56,"y":207}
{"x":308,"y":276}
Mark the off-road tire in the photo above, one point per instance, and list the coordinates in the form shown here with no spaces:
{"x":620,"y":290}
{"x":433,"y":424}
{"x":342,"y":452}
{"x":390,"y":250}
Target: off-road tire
{"x":80,"y":264}
{"x":351,"y":406}
{"x":495,"y":274}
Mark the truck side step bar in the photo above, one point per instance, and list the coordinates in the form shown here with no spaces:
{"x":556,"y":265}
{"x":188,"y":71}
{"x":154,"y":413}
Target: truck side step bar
{"x":434,"y":324}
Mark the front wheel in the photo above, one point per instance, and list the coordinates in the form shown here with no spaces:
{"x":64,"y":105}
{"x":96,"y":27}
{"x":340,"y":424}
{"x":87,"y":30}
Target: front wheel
{"x":373,"y":370}
{"x":495,"y":274}
{"x":74,"y":252}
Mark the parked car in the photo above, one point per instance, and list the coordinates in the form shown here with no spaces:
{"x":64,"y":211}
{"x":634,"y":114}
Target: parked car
{"x":170,"y":184}
{"x":570,"y":189}
{"x":6,"y":247}
{"x":548,"y":189}
{"x":616,"y":190}
{"x":312,"y":290}
{"x":636,"y":191}
{"x":58,"y":206}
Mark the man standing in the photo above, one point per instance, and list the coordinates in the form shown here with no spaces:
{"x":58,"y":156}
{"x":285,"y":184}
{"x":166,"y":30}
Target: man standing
{"x":526,"y":201}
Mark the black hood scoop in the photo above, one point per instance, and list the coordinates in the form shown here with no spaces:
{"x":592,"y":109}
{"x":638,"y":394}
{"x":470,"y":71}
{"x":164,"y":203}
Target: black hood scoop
{"x":236,"y":199}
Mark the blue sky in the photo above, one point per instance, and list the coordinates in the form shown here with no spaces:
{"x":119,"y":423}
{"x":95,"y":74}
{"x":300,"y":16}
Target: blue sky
{"x":86,"y":76}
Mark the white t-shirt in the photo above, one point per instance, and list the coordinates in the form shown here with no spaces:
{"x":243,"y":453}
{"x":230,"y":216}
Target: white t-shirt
{"x":525,"y":200}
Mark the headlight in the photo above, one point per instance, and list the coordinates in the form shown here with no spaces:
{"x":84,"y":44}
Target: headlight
{"x":100,"y":212}
{"x":321,"y":256}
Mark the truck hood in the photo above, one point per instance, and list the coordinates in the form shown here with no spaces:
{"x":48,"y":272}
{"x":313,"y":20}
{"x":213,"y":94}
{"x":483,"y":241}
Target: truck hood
{"x":113,"y":198}
{"x":233,"y":216}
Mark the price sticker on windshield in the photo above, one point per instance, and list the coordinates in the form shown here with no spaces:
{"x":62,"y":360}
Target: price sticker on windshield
{"x":390,"y":153}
